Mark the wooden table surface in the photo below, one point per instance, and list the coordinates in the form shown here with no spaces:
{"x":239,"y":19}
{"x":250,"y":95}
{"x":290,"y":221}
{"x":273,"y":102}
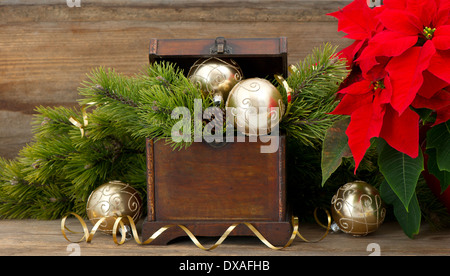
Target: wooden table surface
{"x":44,"y":238}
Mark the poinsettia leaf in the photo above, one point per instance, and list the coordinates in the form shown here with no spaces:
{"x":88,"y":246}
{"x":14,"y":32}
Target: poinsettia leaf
{"x":400,"y":171}
{"x":409,"y":219}
{"x":426,"y":115}
{"x":443,"y":176}
{"x":438,"y":137}
{"x":335,"y":147}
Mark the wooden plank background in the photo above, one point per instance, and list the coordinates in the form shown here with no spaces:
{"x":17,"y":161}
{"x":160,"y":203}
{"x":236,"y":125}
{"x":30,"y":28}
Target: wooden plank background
{"x":47,"y":47}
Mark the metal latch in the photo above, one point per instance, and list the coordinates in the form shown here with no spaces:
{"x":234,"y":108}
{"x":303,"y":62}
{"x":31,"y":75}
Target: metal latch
{"x":220,"y":46}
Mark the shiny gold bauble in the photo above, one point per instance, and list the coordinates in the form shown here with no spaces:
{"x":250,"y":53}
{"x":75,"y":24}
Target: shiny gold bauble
{"x":257,"y":106}
{"x":215,"y":77}
{"x":357,"y":208}
{"x":112,"y":200}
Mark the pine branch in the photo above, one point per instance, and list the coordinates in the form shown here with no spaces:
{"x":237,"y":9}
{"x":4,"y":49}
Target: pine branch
{"x":114,"y":96}
{"x":319,"y":74}
{"x":19,"y":199}
{"x":108,"y":86}
{"x":51,"y":122}
{"x":167,"y":90}
{"x":314,"y":82}
{"x":58,"y":171}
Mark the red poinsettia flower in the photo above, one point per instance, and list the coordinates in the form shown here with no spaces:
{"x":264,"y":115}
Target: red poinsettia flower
{"x":415,"y":33}
{"x":367,"y":102}
{"x":410,"y":23}
{"x":400,"y":59}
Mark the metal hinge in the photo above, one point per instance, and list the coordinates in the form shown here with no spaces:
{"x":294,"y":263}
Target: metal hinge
{"x":220,"y":46}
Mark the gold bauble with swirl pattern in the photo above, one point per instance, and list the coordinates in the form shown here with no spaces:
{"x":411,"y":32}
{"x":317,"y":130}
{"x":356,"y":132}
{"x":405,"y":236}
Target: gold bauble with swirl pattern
{"x":215,"y":77}
{"x":112,"y":200}
{"x":357,"y":208}
{"x":257,"y":106}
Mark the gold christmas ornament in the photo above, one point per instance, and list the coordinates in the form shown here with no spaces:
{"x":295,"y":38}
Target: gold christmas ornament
{"x":257,"y":106}
{"x":357,"y":208}
{"x":112,"y":200}
{"x":215,"y":77}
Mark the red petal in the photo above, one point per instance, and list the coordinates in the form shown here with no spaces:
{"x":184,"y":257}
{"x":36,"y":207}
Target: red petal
{"x":443,"y":17}
{"x":425,"y":10}
{"x":350,"y":52}
{"x":366,"y":65}
{"x":431,"y":85}
{"x":375,"y":70}
{"x":350,"y":103}
{"x":401,"y":132}
{"x":362,"y":127}
{"x":401,"y":21}
{"x":441,"y":38}
{"x":355,"y":95}
{"x":406,"y":74}
{"x":385,"y":95}
{"x":440,"y":65}
{"x":388,"y":43}
{"x":395,"y":4}
{"x":367,"y":120}
{"x":356,"y":19}
{"x":361,"y":87}
{"x":440,"y":100}
{"x":443,"y":115}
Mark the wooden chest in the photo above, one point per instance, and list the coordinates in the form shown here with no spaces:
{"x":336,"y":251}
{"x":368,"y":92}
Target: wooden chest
{"x":207,"y":188}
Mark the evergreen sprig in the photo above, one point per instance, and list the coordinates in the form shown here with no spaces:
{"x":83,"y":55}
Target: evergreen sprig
{"x":314,"y":81}
{"x":57,"y":171}
{"x":168,"y":90}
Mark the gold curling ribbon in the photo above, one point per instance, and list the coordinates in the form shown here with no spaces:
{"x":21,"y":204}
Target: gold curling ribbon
{"x":118,"y":223}
{"x":292,"y":69}
{"x":87,"y":235}
{"x":79,"y":125}
{"x":328,"y":227}
{"x":286,"y":86}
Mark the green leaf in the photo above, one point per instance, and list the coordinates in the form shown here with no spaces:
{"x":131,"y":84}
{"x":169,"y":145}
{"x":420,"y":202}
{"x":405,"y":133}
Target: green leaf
{"x":400,"y":171}
{"x":443,"y":176}
{"x":410,"y":218}
{"x":335,"y":147}
{"x":438,"y":137}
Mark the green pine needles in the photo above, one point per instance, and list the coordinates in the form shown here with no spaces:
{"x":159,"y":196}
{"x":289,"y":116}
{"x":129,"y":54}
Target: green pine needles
{"x":314,"y":81}
{"x":75,"y":150}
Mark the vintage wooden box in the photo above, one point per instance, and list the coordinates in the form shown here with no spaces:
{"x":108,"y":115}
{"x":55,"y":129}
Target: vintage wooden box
{"x":208,"y":188}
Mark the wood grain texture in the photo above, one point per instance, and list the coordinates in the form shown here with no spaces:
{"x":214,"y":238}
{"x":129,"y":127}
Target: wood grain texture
{"x":225,"y":183}
{"x":47,"y":48}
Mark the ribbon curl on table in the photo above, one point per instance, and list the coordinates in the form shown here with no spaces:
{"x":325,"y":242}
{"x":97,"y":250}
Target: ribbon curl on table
{"x":118,"y":223}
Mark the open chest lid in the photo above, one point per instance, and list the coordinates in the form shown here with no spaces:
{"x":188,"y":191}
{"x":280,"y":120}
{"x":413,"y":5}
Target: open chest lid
{"x":257,"y":57}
